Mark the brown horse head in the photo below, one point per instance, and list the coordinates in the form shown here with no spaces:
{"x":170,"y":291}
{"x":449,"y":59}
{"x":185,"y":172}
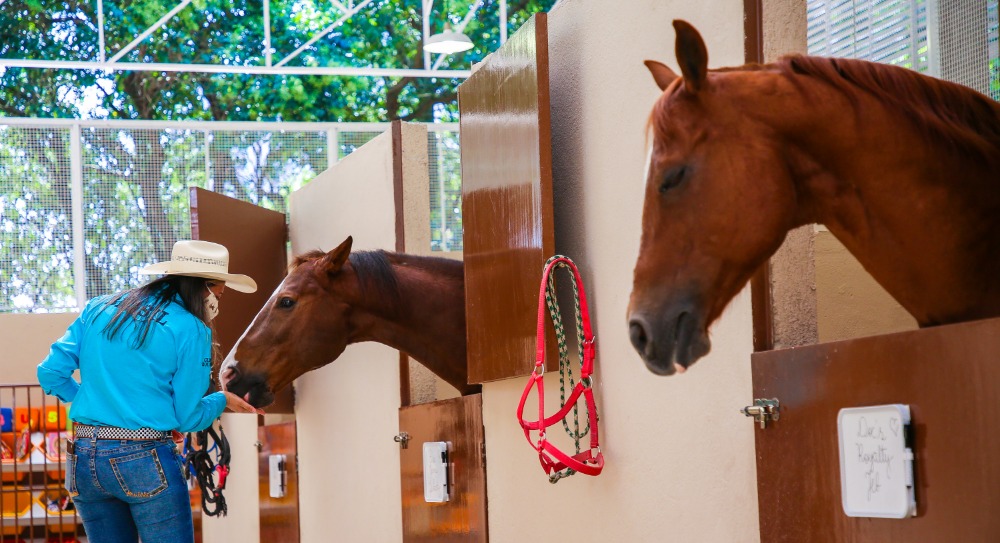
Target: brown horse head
{"x":277,"y":347}
{"x":717,"y":204}
{"x":415,"y":304}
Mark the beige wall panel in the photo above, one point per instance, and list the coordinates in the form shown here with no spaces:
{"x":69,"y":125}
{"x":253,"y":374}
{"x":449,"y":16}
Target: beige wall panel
{"x":680,"y":457}
{"x":850,"y":303}
{"x":25,"y":340}
{"x":347,"y":411}
{"x":242,"y":523}
{"x":416,"y":190}
{"x":784,"y":28}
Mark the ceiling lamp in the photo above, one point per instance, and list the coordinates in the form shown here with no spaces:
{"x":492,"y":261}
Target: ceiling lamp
{"x":448,"y":42}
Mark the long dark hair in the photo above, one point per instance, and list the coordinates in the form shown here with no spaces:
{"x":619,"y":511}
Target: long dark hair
{"x":143,"y":305}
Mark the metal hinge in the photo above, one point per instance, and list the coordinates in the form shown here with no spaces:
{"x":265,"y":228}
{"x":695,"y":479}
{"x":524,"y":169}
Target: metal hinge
{"x":402,"y":438}
{"x":763,"y":410}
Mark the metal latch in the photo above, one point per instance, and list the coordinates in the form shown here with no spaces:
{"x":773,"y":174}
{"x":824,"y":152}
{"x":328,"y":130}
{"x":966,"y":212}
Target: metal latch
{"x":402,"y":438}
{"x":762,"y":410}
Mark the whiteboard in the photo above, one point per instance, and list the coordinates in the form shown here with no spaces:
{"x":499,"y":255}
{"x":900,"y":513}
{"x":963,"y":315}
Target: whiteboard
{"x":876,"y":467}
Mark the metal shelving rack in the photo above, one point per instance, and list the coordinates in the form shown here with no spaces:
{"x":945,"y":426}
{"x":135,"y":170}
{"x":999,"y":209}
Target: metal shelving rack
{"x":27,"y":482}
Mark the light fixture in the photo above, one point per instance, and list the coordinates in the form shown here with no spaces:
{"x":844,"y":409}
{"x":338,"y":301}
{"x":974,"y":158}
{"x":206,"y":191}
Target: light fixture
{"x":448,"y":42}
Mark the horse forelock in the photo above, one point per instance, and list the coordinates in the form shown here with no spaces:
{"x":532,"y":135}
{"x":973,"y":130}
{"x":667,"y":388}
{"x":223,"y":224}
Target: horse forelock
{"x":373,"y":269}
{"x":657,"y":122}
{"x":305,"y":257}
{"x":966,"y":119}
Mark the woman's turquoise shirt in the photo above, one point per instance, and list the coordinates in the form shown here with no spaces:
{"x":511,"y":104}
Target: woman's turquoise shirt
{"x":159,"y":386}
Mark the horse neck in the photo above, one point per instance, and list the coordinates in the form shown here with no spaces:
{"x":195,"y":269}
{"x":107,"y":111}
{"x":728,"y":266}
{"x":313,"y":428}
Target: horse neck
{"x":427,"y":323}
{"x":923,"y":219}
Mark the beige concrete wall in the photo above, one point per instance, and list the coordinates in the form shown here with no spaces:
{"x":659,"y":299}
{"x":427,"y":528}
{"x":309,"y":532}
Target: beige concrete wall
{"x":25,"y":340}
{"x":680,"y":458}
{"x":793,"y":277}
{"x":850,"y":303}
{"x":347,"y":411}
{"x":784,"y":23}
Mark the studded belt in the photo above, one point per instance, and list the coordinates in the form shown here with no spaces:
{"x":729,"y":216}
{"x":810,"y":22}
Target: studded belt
{"x":114,"y":432}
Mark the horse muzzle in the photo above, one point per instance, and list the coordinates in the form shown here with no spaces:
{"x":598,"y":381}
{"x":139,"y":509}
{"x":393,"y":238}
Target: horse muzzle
{"x":252,"y":387}
{"x":671,"y":343}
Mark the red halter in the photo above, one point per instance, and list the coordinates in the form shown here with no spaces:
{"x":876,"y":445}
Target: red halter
{"x":553,"y":460}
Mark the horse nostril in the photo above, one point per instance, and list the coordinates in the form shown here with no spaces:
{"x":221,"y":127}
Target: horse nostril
{"x":637,"y":333}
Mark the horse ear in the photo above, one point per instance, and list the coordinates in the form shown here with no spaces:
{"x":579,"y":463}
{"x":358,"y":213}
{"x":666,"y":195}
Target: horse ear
{"x":334,"y":260}
{"x":662,"y":74}
{"x":692,"y":56}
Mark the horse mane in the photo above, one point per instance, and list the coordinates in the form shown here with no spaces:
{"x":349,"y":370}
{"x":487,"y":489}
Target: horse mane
{"x":966,"y":119}
{"x":376,"y":274}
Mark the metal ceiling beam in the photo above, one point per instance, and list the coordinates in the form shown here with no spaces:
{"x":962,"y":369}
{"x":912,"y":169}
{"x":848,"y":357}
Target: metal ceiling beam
{"x":100,"y":28}
{"x":350,"y":13}
{"x":163,"y":20}
{"x":267,"y":32}
{"x":230,"y":69}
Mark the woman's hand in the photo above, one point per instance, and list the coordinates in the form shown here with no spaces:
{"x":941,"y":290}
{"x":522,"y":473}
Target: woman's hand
{"x":238,"y":405}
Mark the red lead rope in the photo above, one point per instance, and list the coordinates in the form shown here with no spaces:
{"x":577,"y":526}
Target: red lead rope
{"x":553,"y":460}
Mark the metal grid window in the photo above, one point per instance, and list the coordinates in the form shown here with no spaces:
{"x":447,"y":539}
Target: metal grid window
{"x":888,"y":31}
{"x":444,"y":157}
{"x":36,"y":231}
{"x":85,"y":204}
{"x":951,"y":39}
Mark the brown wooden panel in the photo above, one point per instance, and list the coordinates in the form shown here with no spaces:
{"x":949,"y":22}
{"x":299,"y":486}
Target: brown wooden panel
{"x":256,"y":239}
{"x":279,"y":517}
{"x":950,"y":378}
{"x":463,"y":518}
{"x":506,"y":202}
{"x":760,"y":283}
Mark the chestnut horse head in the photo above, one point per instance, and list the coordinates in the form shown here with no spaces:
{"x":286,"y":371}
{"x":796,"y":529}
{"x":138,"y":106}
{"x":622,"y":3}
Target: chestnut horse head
{"x":902,"y":168}
{"x":330,"y":300}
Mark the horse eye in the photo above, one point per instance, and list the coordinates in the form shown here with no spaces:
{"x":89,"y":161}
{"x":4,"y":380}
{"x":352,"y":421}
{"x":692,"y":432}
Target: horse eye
{"x":672,"y":178}
{"x":286,"y":302}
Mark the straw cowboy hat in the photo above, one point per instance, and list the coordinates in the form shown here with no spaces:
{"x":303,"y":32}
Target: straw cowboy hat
{"x":201,"y":259}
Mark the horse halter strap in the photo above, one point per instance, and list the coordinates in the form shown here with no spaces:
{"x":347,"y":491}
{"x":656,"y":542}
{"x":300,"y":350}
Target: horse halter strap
{"x":199,"y":464}
{"x":556,"y":463}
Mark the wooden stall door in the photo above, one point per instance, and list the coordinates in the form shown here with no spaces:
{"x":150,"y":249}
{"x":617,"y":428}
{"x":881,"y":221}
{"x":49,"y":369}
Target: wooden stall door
{"x":950,"y":378}
{"x":256,"y":239}
{"x":507,"y":210}
{"x":462,"y":518}
{"x":279,"y":517}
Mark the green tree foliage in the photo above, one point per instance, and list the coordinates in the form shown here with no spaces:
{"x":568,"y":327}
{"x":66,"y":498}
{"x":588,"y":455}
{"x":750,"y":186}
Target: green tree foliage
{"x":385,"y":33}
{"x":136,"y":181}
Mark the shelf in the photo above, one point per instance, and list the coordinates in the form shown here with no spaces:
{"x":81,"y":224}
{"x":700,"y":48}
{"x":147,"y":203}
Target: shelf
{"x":31,"y":467}
{"x":40,"y":520}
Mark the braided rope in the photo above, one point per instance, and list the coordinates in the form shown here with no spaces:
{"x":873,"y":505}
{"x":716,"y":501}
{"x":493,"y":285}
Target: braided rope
{"x":565,"y":367}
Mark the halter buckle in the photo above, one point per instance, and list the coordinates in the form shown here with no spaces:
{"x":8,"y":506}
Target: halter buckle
{"x":593,"y":457}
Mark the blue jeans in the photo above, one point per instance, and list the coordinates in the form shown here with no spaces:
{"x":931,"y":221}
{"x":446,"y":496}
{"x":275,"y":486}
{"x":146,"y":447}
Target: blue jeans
{"x":125,"y":489}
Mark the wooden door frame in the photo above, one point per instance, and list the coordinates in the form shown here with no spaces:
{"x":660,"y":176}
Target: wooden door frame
{"x":760,"y":283}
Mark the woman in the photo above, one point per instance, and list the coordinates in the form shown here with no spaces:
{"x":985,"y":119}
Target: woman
{"x":145,"y":361}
